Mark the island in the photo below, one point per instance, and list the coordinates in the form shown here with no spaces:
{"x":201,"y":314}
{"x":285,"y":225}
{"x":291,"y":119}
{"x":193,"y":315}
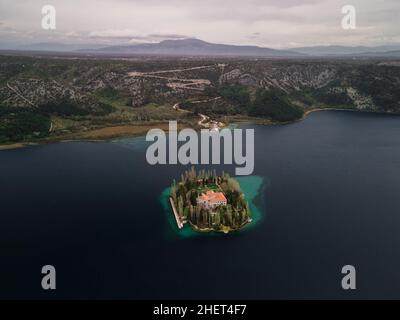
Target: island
{"x":208,"y":202}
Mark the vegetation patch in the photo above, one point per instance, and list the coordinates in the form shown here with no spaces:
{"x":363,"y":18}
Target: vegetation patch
{"x":68,"y":107}
{"x":22,"y":125}
{"x":334,"y":95}
{"x":114,"y":97}
{"x":275,"y":106}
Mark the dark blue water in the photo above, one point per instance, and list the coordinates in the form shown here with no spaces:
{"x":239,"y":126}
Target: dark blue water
{"x":92,"y":210}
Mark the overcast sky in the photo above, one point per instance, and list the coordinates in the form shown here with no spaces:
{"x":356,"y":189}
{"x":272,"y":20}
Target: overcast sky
{"x":268,"y":23}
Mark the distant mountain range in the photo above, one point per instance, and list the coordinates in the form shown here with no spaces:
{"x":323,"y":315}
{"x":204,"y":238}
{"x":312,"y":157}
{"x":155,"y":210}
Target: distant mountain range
{"x":196,"y":47}
{"x":57,"y":47}
{"x":343,"y":50}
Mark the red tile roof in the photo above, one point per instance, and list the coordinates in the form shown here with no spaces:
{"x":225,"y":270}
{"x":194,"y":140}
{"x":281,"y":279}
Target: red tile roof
{"x":211,"y":196}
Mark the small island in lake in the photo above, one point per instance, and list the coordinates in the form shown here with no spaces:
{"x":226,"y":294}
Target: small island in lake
{"x":209,"y":202}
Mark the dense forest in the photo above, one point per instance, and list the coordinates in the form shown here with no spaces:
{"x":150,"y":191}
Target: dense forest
{"x":275,"y":106}
{"x":270,"y":104}
{"x":29,"y":123}
{"x":21,"y":124}
{"x":236,"y":94}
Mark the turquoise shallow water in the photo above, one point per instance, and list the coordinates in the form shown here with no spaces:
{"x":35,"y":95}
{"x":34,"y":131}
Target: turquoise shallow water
{"x":134,"y":143}
{"x":251,"y":187}
{"x":140,"y":144}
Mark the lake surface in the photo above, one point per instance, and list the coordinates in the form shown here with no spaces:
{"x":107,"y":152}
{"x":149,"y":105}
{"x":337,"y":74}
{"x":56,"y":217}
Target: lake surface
{"x":331,"y":198}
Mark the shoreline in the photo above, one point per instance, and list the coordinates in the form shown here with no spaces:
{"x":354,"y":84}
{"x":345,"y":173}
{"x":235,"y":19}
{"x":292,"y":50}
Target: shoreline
{"x":226,"y":230}
{"x":125,"y":131}
{"x":96,"y":135}
{"x":308,"y":112}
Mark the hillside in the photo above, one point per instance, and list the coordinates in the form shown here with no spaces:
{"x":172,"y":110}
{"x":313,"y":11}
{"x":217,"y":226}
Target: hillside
{"x":51,"y":98}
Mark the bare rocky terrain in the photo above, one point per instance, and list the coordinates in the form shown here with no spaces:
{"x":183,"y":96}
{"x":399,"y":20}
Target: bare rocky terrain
{"x":71,"y":95}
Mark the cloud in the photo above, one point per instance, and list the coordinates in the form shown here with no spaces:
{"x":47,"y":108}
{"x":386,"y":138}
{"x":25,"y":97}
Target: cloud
{"x":5,"y":28}
{"x":272,"y":23}
{"x":130,"y":36}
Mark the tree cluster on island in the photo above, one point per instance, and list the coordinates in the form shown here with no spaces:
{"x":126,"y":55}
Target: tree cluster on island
{"x":231,"y":216}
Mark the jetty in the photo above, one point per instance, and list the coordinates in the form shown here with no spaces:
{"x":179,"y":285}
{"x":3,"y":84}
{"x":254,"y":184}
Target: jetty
{"x":178,"y":220}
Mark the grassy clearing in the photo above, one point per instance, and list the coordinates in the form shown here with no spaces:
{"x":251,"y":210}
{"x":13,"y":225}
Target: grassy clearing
{"x":212,"y":187}
{"x":112,"y":97}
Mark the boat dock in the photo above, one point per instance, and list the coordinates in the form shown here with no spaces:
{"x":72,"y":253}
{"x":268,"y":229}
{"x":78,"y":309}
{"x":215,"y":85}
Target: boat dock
{"x":178,"y":220}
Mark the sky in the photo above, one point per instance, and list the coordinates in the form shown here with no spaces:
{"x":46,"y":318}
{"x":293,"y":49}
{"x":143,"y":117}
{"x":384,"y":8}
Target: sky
{"x":266,"y":23}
